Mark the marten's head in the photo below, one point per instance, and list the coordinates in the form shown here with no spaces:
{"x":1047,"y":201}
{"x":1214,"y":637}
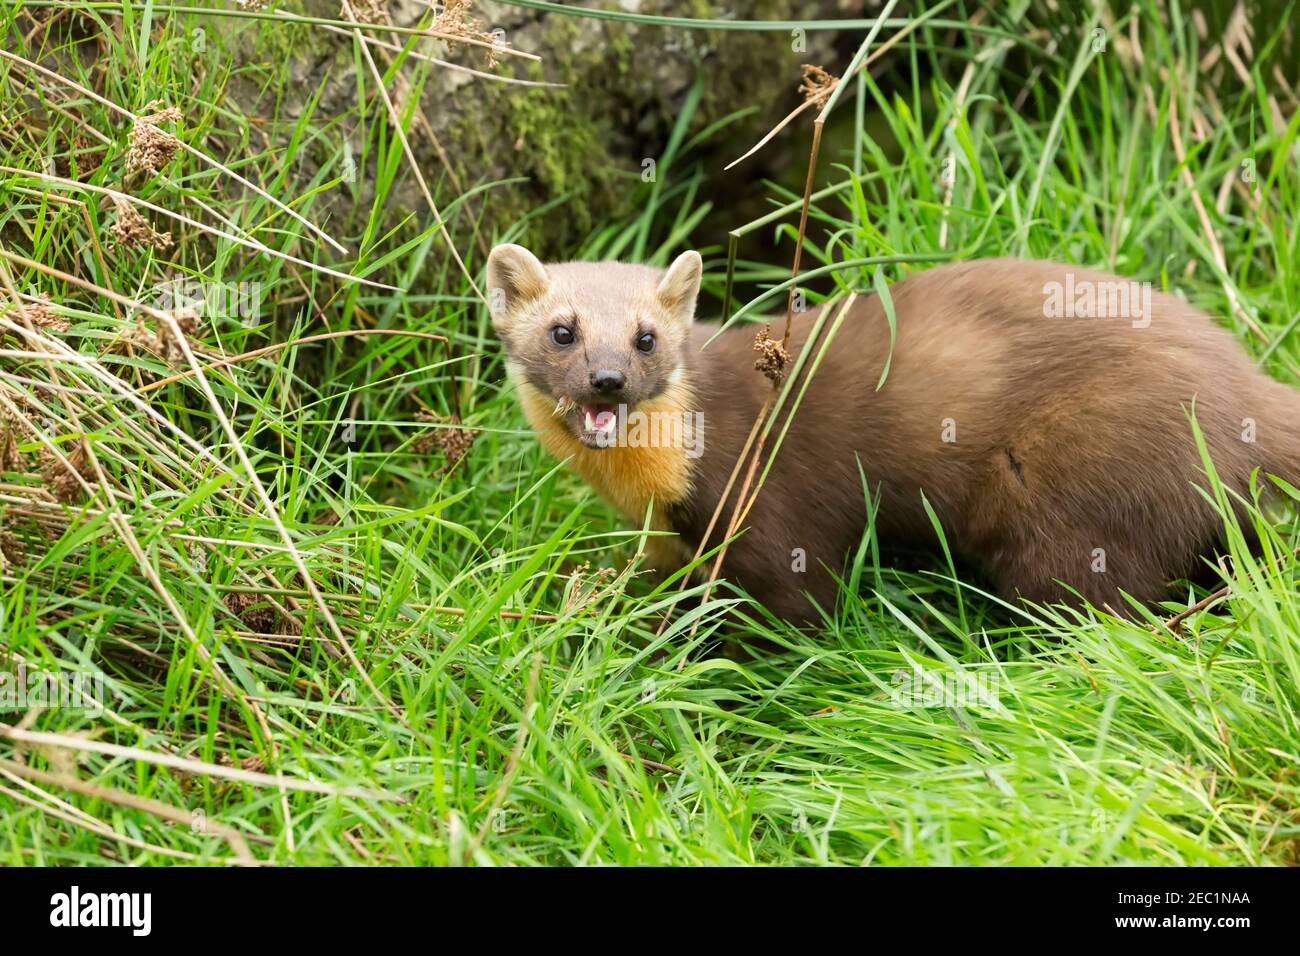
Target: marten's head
{"x":594,"y":337}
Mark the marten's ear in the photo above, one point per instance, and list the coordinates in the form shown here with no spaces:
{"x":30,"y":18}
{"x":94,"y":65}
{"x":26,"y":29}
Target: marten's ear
{"x":514,"y":276}
{"x":680,"y":286}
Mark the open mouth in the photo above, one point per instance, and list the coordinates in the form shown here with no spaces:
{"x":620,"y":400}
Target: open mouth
{"x":600,"y":422}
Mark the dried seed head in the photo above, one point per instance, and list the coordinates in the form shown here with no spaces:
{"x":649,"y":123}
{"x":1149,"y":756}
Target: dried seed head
{"x":42,"y":317}
{"x":456,"y":20}
{"x":12,"y":550}
{"x":817,"y":84}
{"x":18,"y":402}
{"x":453,"y":442}
{"x":367,"y":11}
{"x":143,"y":337}
{"x":163,"y":343}
{"x":188,"y":320}
{"x":11,"y":459}
{"x":65,"y":480}
{"x":427,"y":440}
{"x":252,"y":762}
{"x":148,"y":147}
{"x":586,"y":587}
{"x":772,"y":356}
{"x":132,"y":230}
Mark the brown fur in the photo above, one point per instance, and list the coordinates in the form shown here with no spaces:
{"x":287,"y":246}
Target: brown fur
{"x":1071,"y":434}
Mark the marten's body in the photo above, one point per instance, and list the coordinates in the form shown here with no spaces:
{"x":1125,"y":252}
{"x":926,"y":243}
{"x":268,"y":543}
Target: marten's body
{"x":1054,"y":449}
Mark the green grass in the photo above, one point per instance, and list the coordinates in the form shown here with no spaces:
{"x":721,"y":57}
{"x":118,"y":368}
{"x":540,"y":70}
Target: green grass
{"x":574,"y":734}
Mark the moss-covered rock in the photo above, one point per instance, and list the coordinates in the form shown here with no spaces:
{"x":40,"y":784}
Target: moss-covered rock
{"x":625,"y":84}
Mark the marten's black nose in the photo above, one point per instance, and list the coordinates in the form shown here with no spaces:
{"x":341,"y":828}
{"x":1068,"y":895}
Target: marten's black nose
{"x":606,"y":380}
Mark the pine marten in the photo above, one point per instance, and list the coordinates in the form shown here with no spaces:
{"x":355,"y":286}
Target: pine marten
{"x":1041,"y":409}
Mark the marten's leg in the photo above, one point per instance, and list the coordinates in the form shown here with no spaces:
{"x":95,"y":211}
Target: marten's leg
{"x":666,"y":554}
{"x":781,"y":575}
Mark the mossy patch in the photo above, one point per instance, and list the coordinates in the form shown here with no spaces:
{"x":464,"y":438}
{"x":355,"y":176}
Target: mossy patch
{"x":625,"y":84}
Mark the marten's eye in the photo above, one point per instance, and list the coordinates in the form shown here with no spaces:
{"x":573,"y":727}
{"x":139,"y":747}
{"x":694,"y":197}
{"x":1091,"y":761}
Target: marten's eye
{"x":562,"y":335}
{"x":645,"y":342}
